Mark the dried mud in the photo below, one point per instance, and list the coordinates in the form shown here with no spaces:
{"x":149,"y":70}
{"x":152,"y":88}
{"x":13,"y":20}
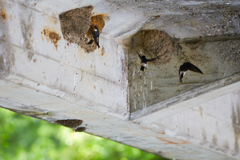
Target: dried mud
{"x":155,"y":43}
{"x":51,"y":36}
{"x":3,"y":15}
{"x":77,"y":26}
{"x":71,"y":123}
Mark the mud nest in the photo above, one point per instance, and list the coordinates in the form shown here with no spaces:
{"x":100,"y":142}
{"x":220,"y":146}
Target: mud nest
{"x":157,"y":43}
{"x":77,"y":26}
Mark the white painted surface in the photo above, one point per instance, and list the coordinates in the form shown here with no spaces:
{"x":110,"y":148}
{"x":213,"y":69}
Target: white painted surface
{"x":214,"y":124}
{"x":96,"y":77}
{"x":18,"y":98}
{"x":73,"y":84}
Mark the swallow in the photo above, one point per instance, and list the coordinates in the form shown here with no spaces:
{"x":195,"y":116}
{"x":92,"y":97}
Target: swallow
{"x":185,"y":67}
{"x":95,"y":35}
{"x":144,"y":60}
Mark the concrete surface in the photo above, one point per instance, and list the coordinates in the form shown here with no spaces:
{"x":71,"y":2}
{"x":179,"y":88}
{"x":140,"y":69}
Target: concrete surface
{"x":41,"y":105}
{"x":46,"y":76}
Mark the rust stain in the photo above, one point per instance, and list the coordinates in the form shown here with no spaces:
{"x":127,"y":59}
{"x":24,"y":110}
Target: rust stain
{"x":94,"y":87}
{"x":169,"y":142}
{"x":184,"y":142}
{"x":51,"y":36}
{"x":3,"y":15}
{"x":97,"y":20}
{"x":42,"y":38}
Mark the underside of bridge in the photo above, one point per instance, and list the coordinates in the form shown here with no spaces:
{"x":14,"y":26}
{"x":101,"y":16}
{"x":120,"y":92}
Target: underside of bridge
{"x":50,"y":68}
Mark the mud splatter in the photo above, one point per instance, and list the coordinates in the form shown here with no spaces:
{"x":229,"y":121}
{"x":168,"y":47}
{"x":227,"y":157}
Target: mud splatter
{"x":236,"y":124}
{"x":32,"y":112}
{"x":204,"y":136}
{"x":52,"y":20}
{"x":80,"y":129}
{"x":102,"y":51}
{"x":200,"y":110}
{"x":51,"y":36}
{"x":71,"y":123}
{"x":214,"y":139}
{"x":3,"y":15}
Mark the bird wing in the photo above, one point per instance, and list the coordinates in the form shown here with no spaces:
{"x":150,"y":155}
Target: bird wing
{"x":193,"y":68}
{"x":95,"y":38}
{"x":135,"y":49}
{"x":180,"y":74}
{"x":180,"y":68}
{"x":152,"y":59}
{"x":91,"y":41}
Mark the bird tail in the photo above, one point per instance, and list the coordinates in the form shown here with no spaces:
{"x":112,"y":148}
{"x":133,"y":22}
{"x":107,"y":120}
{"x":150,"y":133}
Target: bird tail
{"x":180,"y":77}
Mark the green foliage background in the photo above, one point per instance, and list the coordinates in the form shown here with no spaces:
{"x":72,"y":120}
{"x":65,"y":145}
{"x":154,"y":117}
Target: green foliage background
{"x":26,"y":138}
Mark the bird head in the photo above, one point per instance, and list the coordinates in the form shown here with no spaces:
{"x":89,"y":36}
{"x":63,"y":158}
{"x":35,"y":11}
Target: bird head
{"x":95,"y":28}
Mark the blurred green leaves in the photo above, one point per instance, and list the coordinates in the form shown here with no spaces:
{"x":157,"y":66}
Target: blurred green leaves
{"x":26,"y":138}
